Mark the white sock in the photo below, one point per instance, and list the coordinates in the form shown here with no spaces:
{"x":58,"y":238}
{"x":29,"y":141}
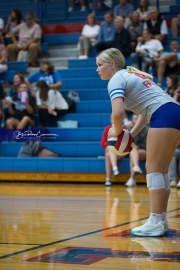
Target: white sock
{"x":115,"y":168}
{"x":108,"y":179}
{"x":155,"y":218}
{"x":164,"y":216}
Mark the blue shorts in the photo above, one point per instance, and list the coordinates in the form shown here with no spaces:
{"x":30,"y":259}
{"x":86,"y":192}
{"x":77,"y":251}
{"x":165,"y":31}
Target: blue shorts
{"x":166,"y":116}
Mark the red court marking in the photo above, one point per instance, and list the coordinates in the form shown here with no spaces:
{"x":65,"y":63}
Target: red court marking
{"x":176,"y":216}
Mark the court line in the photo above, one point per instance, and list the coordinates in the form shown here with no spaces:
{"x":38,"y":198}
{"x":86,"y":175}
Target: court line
{"x":75,"y":237}
{"x":20,"y":244}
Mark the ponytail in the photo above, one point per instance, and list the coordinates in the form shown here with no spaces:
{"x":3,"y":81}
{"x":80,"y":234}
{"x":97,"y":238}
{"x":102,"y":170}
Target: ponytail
{"x":133,"y":69}
{"x":115,"y":55}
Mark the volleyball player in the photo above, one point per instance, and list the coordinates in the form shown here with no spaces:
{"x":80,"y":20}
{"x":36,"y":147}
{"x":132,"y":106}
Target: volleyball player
{"x":133,"y":90}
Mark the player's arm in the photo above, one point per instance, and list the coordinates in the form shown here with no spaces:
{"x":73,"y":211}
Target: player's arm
{"x":140,"y":124}
{"x":118,"y":114}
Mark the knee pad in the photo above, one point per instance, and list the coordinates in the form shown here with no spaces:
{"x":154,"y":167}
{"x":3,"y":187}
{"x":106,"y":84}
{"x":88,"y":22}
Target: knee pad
{"x":155,"y":181}
{"x":166,"y":181}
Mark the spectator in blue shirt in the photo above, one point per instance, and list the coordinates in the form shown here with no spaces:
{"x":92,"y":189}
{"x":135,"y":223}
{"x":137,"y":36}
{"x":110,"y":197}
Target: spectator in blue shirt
{"x":47,"y":74}
{"x":125,"y":10}
{"x":106,"y":33}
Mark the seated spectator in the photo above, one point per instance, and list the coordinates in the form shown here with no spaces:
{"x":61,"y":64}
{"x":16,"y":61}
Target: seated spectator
{"x":175,"y":25}
{"x":138,"y":152}
{"x":88,"y":36}
{"x":111,"y":160}
{"x":172,"y":83}
{"x":103,"y":5}
{"x":72,"y":2}
{"x":1,"y":25}
{"x":168,"y":62}
{"x":21,"y":115}
{"x":156,"y":25}
{"x":17,"y":81}
{"x":125,"y":10}
{"x":36,"y":149}
{"x":122,"y":39}
{"x":50,"y":103}
{"x":30,"y":34}
{"x":172,"y":172}
{"x":14,"y":19}
{"x":106,"y":33}
{"x":47,"y":74}
{"x":3,"y":56}
{"x":135,"y":29}
{"x":143,"y":10}
{"x":176,"y":94}
{"x":147,"y":49}
{"x":2,"y":94}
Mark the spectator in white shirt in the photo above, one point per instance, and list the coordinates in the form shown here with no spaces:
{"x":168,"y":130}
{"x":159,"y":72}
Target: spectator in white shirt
{"x":89,"y":36}
{"x":143,"y":10}
{"x":156,"y":25}
{"x":1,"y":25}
{"x":50,"y":103}
{"x":148,"y":48}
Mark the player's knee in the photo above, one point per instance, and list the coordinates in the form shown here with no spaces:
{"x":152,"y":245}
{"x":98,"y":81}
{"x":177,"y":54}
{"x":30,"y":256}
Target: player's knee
{"x":155,"y":181}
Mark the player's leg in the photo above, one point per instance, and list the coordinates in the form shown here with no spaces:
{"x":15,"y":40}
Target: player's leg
{"x":108,"y":167}
{"x":161,"y":145}
{"x":114,"y":160}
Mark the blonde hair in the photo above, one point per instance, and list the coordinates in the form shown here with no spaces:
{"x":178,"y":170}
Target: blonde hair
{"x":117,"y":57}
{"x":93,"y":16}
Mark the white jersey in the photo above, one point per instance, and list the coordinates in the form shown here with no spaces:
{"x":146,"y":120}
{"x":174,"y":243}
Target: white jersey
{"x":141,"y":95}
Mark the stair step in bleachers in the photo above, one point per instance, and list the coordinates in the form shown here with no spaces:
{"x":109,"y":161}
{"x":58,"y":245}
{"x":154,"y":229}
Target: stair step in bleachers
{"x":95,"y":106}
{"x":89,"y":63}
{"x":80,"y":83}
{"x":44,"y":48}
{"x":89,"y":94}
{"x":88,"y":119}
{"x":62,"y":39}
{"x":66,"y":149}
{"x":7,"y":76}
{"x":70,"y":165}
{"x":17,"y":66}
{"x":84,"y":63}
{"x":77,"y":134}
{"x":79,"y":73}
{"x":84,"y":119}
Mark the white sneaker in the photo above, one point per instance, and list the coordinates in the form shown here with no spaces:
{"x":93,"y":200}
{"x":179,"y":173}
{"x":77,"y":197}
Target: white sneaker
{"x":137,"y":169}
{"x":178,"y":184}
{"x":166,"y":226}
{"x":115,"y":172}
{"x":130,"y":183}
{"x":149,"y":229}
{"x":173,"y":183}
{"x":81,"y":57}
{"x":108,"y":182}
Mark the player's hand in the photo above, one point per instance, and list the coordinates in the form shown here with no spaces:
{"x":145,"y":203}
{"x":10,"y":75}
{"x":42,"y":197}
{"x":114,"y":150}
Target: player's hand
{"x":111,"y":133}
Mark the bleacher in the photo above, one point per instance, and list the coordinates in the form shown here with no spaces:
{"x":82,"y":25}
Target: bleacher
{"x":79,"y":147}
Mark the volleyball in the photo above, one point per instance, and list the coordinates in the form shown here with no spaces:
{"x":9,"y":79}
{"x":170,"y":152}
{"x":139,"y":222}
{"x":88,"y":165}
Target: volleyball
{"x":122,"y":144}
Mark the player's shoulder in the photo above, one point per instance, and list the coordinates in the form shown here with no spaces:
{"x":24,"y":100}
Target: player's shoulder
{"x":118,"y":80}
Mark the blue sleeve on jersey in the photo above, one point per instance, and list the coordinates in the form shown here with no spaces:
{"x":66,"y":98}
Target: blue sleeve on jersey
{"x":34,"y":77}
{"x":57,"y":77}
{"x":117,"y":86}
{"x":117,"y":92}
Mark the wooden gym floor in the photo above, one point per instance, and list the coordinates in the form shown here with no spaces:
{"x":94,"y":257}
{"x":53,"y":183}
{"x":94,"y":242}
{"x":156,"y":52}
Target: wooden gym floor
{"x":82,"y":226}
